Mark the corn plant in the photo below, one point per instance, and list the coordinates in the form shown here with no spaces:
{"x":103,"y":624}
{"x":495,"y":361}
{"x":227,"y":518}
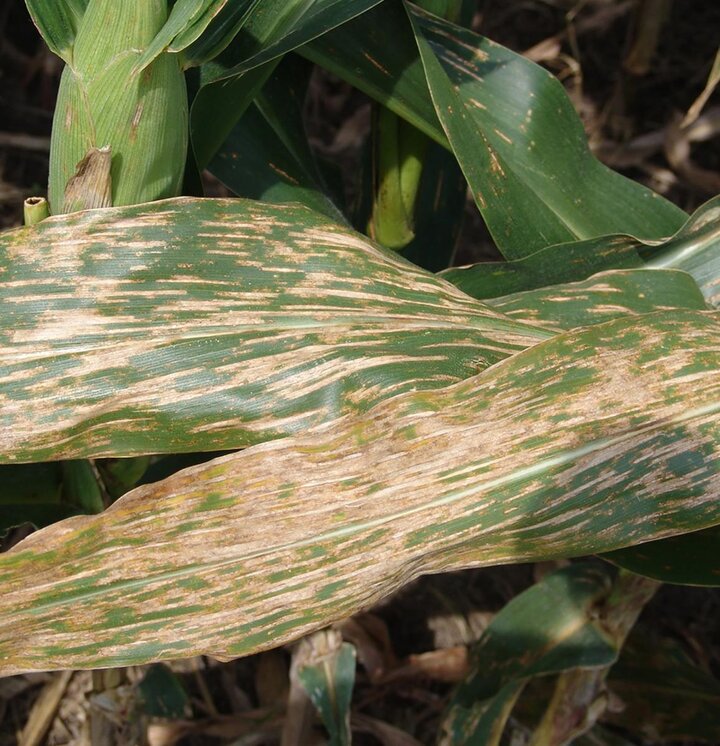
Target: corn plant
{"x":363,"y":414}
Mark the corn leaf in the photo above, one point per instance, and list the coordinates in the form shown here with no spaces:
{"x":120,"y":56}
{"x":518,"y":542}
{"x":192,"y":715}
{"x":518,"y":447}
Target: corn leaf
{"x":189,"y":19}
{"x":532,"y":178}
{"x":204,"y":41}
{"x":665,"y":695}
{"x":604,"y":297}
{"x":267,"y":155}
{"x":377,"y":53}
{"x":193,"y":325}
{"x":57,"y":21}
{"x":553,"y":626}
{"x":31,"y":493}
{"x":231,"y":82}
{"x":326,"y":670}
{"x":523,"y":148}
{"x":594,"y":440}
{"x":690,"y":559}
{"x":695,"y":248}
{"x":554,"y":265}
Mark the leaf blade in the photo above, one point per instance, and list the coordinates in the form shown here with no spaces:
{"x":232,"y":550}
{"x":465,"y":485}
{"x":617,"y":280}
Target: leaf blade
{"x":584,"y":443}
{"x":57,"y":21}
{"x":523,"y":148}
{"x":193,"y":325}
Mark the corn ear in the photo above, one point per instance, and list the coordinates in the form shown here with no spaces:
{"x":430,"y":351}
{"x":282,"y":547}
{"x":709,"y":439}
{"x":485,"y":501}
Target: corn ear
{"x":105,"y":103}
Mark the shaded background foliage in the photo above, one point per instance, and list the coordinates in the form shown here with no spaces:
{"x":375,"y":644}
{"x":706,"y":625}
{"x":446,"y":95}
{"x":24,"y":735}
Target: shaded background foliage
{"x":627,"y":106}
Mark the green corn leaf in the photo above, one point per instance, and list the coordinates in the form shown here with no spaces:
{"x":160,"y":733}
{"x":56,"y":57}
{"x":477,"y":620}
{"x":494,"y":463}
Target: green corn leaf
{"x":535,"y":187}
{"x":219,"y":105}
{"x":594,"y":440}
{"x":665,"y":695}
{"x":218,"y":20}
{"x":280,"y":26}
{"x":80,"y":486}
{"x":162,"y":694}
{"x":231,"y":82}
{"x":377,"y":53}
{"x":553,"y":626}
{"x":690,"y":559}
{"x":193,"y":325}
{"x":119,"y":475}
{"x":205,"y":40}
{"x":58,"y":21}
{"x":695,"y":248}
{"x":31,"y":493}
{"x":267,"y":155}
{"x":604,"y":297}
{"x":326,"y":670}
{"x":523,"y":148}
{"x":554,"y":265}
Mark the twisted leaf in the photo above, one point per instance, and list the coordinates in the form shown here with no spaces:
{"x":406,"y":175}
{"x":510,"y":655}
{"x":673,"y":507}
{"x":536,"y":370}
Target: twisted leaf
{"x":193,"y":325}
{"x":594,"y":440}
{"x":695,"y":248}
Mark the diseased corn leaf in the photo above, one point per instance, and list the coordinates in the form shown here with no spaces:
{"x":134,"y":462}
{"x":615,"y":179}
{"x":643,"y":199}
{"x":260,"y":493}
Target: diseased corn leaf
{"x":604,"y":297}
{"x":274,"y":28}
{"x":579,"y":696}
{"x":535,"y":188}
{"x":376,"y":52}
{"x":695,"y":248}
{"x":325,"y":668}
{"x":690,"y":559}
{"x":57,"y":21}
{"x":192,"y":325}
{"x":523,"y":148}
{"x":596,"y":439}
{"x":553,"y":626}
{"x":267,"y":155}
{"x":666,"y":695}
{"x":560,"y":263}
